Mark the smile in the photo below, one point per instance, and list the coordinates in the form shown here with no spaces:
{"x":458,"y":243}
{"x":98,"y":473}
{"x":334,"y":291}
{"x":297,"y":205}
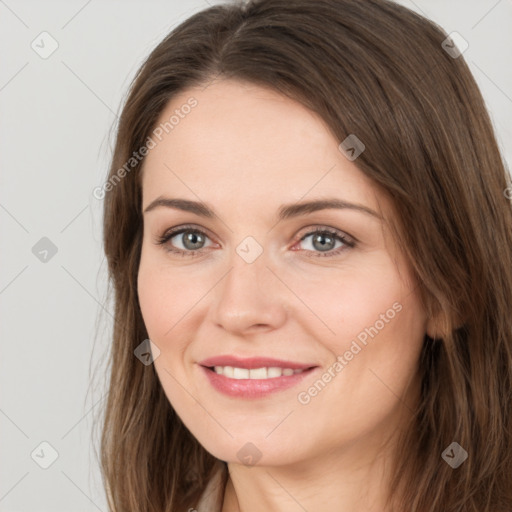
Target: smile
{"x":254,"y":383}
{"x":256,"y":373}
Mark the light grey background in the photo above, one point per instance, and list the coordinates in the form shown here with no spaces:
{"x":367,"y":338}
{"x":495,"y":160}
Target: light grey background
{"x":56,"y":121}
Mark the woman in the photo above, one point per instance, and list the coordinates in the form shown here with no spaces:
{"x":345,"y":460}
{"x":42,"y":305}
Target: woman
{"x":307,"y":215}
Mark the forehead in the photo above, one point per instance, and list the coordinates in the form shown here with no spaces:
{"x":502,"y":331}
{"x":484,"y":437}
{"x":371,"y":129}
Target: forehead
{"x":241,"y":140}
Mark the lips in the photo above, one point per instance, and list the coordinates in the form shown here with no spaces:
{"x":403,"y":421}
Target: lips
{"x":254,"y":362}
{"x":249,"y":385}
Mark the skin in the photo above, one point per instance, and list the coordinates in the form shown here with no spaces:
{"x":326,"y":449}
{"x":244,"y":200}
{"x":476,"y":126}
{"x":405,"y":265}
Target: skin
{"x":246,"y":150}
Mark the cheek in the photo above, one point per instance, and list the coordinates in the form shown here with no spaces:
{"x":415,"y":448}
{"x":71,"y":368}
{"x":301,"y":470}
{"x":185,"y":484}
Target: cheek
{"x":154,"y":298}
{"x":373,"y":361}
{"x":165,"y":297}
{"x":343,"y":304}
{"x":375,"y":322}
{"x":380,"y":326}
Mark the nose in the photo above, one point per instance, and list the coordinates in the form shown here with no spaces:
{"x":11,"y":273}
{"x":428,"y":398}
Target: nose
{"x":249,"y":298}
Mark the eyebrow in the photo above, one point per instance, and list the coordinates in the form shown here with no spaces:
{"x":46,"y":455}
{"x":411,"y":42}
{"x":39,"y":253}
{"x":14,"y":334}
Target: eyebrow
{"x":285,"y":211}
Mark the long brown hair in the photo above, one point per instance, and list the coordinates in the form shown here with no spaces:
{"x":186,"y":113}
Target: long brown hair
{"x":380,"y":71}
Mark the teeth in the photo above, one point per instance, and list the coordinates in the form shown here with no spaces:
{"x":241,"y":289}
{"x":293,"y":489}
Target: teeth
{"x":274,"y":372}
{"x":240,"y":373}
{"x":254,"y":373}
{"x":258,"y":373}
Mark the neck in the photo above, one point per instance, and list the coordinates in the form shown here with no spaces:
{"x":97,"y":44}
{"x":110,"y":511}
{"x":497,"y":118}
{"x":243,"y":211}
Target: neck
{"x":354,"y":478}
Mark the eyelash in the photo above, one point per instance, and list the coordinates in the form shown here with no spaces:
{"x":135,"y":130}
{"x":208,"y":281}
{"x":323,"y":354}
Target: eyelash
{"x":348,"y":242}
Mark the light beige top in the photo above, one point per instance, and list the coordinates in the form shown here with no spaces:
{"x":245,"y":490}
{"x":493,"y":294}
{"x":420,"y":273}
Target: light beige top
{"x":213,"y":495}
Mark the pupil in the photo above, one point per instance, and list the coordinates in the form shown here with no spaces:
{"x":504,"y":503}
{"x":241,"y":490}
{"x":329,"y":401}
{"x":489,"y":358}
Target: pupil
{"x":322,"y":245}
{"x":193,"y":239}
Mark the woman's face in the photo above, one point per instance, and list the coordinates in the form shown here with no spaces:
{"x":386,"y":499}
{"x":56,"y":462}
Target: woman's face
{"x":340,"y":304}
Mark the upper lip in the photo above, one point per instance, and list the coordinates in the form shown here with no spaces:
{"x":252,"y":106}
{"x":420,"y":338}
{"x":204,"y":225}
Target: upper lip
{"x":253,"y":362}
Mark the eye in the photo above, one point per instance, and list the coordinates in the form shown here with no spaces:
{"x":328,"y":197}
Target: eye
{"x":192,"y":240}
{"x":323,"y":242}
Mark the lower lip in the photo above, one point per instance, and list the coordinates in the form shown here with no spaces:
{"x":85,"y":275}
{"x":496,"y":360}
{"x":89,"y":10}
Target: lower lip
{"x":253,"y":388}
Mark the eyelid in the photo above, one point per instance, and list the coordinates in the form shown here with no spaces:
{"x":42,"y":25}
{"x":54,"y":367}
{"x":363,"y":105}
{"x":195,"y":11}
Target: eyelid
{"x":184,"y":227}
{"x":177,"y":230}
{"x":308,"y":230}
